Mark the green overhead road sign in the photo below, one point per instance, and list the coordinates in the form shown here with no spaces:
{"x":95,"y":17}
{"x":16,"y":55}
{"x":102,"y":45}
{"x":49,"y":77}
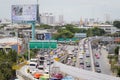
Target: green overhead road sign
{"x":42,"y":44}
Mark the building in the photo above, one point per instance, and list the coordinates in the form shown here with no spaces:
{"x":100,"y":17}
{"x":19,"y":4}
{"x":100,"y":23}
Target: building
{"x":80,"y":35}
{"x":47,"y":18}
{"x":11,"y":43}
{"x":108,"y":28}
{"x":61,"y":20}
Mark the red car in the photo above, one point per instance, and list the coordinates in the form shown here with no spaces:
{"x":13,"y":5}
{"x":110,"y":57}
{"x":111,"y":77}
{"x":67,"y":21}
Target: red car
{"x":97,"y":56}
{"x":57,"y":75}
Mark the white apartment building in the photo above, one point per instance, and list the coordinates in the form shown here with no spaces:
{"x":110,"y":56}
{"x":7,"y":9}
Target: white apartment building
{"x":108,"y":28}
{"x":47,"y":18}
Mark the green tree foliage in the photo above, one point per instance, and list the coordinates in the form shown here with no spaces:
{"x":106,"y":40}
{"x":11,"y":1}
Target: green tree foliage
{"x":60,"y":30}
{"x":118,"y":72}
{"x":116,"y":24}
{"x":117,"y":50}
{"x":66,"y":34}
{"x":70,"y":28}
{"x":33,"y":53}
{"x":68,"y":31}
{"x":89,"y":32}
{"x":95,"y":32}
{"x":44,"y":26}
{"x":7,"y":60}
{"x":55,"y":36}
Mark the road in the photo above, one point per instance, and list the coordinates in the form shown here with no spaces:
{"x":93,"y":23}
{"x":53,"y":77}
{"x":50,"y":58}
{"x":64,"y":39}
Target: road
{"x":84,"y":47}
{"x":104,"y":62}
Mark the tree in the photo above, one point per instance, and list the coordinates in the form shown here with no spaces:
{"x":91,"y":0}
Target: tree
{"x":116,"y":50}
{"x":89,"y":32}
{"x":116,"y":24}
{"x":7,"y":60}
{"x":118,"y":72}
{"x":66,"y":34}
{"x":95,"y":32}
{"x":44,"y":26}
{"x":70,"y":28}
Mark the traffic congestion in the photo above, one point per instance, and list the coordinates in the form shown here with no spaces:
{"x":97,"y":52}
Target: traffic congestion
{"x":41,"y":67}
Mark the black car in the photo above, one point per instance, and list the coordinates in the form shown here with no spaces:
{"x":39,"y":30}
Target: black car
{"x":87,"y":55}
{"x":98,"y":70}
{"x":88,"y":64}
{"x":97,"y":64}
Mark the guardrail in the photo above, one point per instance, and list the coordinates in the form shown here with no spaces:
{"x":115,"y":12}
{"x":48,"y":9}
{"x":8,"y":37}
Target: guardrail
{"x":82,"y":74}
{"x":23,"y":76}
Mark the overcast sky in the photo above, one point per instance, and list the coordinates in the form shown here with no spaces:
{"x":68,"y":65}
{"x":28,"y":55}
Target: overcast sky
{"x":72,"y":10}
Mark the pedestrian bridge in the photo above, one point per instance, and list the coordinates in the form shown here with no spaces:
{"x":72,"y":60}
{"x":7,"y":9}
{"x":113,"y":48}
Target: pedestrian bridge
{"x":82,"y":74}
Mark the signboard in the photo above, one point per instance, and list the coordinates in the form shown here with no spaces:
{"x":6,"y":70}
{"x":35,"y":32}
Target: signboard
{"x":80,"y":35}
{"x":25,"y":13}
{"x":44,"y":36}
{"x":47,"y":36}
{"x":40,"y":36}
{"x":43,"y":44}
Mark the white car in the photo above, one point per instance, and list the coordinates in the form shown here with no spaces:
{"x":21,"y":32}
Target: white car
{"x":32,"y":66}
{"x":41,"y":67}
{"x":80,"y":56}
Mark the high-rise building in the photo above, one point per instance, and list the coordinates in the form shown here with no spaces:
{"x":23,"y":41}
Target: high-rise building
{"x":47,"y":18}
{"x":107,"y":17}
{"x":61,"y":20}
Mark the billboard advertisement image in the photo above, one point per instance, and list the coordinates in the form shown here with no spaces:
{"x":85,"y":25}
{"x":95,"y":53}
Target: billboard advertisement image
{"x":24,"y":13}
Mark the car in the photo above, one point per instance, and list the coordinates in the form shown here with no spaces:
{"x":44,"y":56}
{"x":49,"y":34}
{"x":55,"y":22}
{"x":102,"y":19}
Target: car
{"x":41,"y":67}
{"x":97,"y":56}
{"x":81,"y":62}
{"x":97,"y":64}
{"x":87,"y":55}
{"x":33,"y":60}
{"x":58,"y":76}
{"x":32,"y":66}
{"x":88,"y":64}
{"x":42,"y":58}
{"x":82,"y":66}
{"x":98,"y":70}
{"x":81,"y":56}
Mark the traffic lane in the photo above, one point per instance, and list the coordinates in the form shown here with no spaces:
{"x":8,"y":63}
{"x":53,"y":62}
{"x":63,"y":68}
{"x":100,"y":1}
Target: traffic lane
{"x":97,"y":60}
{"x":91,"y":56}
{"x":103,"y":64}
{"x":87,"y":64}
{"x":87,"y":61}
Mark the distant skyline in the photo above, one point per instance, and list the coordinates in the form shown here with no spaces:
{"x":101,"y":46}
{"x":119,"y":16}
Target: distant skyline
{"x":73,"y":10}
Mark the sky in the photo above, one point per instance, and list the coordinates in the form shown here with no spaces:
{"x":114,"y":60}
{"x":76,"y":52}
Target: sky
{"x":73,"y":10}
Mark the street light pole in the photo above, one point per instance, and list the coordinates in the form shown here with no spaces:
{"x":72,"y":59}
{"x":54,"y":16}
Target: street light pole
{"x":28,"y":52}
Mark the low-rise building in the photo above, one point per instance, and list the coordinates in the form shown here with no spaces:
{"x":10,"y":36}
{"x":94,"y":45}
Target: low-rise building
{"x":11,"y":43}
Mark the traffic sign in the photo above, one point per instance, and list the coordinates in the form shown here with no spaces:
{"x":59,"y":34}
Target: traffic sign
{"x":43,"y":44}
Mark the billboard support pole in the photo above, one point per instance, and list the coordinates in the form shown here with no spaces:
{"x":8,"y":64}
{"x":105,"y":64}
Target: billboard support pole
{"x":33,"y":30}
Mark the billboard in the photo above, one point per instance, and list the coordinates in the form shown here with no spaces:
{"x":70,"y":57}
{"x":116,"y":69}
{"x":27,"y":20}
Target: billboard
{"x":25,"y":13}
{"x":44,"y":36}
{"x":47,"y":36}
{"x":40,"y":36}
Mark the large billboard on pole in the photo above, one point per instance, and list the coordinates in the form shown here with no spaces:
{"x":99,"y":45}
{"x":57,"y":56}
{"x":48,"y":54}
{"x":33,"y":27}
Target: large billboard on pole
{"x":21,"y":13}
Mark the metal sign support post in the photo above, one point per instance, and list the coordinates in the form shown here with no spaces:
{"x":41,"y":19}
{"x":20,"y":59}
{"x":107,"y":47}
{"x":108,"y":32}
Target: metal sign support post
{"x":49,"y":59}
{"x":33,"y":30}
{"x":28,"y":52}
